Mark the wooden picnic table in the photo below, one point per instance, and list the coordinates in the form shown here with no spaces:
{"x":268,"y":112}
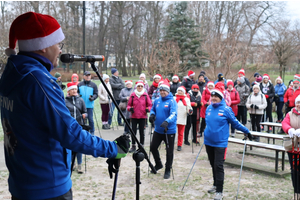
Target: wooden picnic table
{"x":276,"y":148}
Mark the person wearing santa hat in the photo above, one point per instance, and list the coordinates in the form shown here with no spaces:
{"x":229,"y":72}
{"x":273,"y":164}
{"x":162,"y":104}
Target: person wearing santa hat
{"x":241,"y":73}
{"x":156,"y":79}
{"x":290,"y":126}
{"x":267,"y":88}
{"x":104,"y":101}
{"x":146,"y":85}
{"x":39,"y":131}
{"x":164,"y":115}
{"x":188,"y":81}
{"x":218,"y":117}
{"x":297,"y":77}
{"x":280,"y":89}
{"x":204,"y":104}
{"x":139,"y":104}
{"x":174,"y":84}
{"x":291,"y":94}
{"x":235,"y":100}
{"x":184,"y":109}
{"x":124,"y":97}
{"x":77,"y":108}
{"x":244,"y":92}
{"x":117,"y":85}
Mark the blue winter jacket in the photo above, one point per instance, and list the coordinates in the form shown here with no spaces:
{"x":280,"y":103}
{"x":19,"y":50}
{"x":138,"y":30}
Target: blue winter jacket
{"x":217,"y":125}
{"x":165,"y":109}
{"x":87,"y":89}
{"x":280,"y":90}
{"x":39,"y":131}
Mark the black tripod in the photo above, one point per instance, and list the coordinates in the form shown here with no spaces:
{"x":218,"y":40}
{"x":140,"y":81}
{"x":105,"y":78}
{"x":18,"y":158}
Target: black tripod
{"x":140,"y":154}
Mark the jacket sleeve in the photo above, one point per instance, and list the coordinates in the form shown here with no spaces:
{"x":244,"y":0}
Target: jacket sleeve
{"x":153,"y":109}
{"x":95,"y":91}
{"x":248,"y":101}
{"x":247,"y":91}
{"x":265,"y":104}
{"x":149,"y":102}
{"x":100,"y":93}
{"x":234,"y":122}
{"x":173,"y":112}
{"x":272,"y":92}
{"x":122,"y":96}
{"x":203,"y":99}
{"x":285,"y":97}
{"x":237,"y":100}
{"x":54,"y":115}
{"x":114,"y":84}
{"x":188,"y":105}
{"x":286,"y":123}
{"x":281,"y":90}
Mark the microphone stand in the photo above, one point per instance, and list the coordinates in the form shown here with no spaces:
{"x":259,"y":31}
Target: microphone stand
{"x":140,"y":154}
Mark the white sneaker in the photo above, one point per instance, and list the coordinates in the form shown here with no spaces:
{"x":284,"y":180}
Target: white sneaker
{"x":218,"y":196}
{"x":212,"y":189}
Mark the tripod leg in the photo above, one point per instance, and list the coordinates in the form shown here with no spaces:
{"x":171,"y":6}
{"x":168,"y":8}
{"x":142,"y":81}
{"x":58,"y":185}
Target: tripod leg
{"x":245,"y":146}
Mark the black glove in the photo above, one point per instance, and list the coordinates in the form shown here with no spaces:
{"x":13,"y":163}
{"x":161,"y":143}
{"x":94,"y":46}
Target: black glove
{"x":123,"y":143}
{"x":252,"y":105}
{"x":113,"y":165}
{"x":256,"y":107}
{"x":63,"y":87}
{"x":131,"y":110}
{"x":91,"y":98}
{"x":165,"y":125}
{"x":152,"y":119}
{"x":147,"y":110}
{"x":248,"y":135}
{"x":206,"y":105}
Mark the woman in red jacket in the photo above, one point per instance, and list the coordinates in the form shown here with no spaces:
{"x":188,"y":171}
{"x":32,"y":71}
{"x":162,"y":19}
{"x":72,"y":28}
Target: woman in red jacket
{"x":139,"y":104}
{"x":291,"y":126}
{"x":235,"y":100}
{"x":205,"y":103}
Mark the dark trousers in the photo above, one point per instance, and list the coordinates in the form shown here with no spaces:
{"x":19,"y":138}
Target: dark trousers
{"x":295,"y":173}
{"x":67,"y":196}
{"x":111,"y":113}
{"x":105,"y":112}
{"x":156,"y":141}
{"x":91,"y":119}
{"x":255,"y":122}
{"x":269,"y":112}
{"x":141,"y":123}
{"x":126,"y":129}
{"x":191,"y":121}
{"x":241,"y":114}
{"x":203,"y":125}
{"x":279,"y":111}
{"x":216,"y":157}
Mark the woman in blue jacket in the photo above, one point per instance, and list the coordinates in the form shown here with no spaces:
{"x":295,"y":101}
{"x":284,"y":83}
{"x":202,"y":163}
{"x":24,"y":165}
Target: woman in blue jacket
{"x":279,"y":93}
{"x":217,"y":117}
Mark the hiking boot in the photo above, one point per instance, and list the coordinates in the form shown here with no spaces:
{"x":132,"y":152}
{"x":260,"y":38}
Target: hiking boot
{"x":187,"y":143}
{"x":107,"y":126}
{"x":121,"y":124}
{"x":218,"y":196}
{"x":179,"y":148}
{"x":167,"y":173}
{"x":132,"y":149}
{"x":256,"y":138}
{"x":79,"y":171}
{"x":233,"y":135}
{"x":196,"y":142}
{"x":157,"y":167}
{"x":212,"y":189}
{"x":104,"y":126}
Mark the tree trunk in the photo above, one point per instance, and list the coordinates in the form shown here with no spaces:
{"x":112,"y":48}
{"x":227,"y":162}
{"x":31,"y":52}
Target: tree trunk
{"x":280,"y":69}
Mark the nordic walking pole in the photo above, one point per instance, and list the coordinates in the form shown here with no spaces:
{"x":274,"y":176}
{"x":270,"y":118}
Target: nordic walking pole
{"x":150,"y":145}
{"x":116,"y":180}
{"x":245,"y":146}
{"x":192,"y":166}
{"x":97,"y":123}
{"x":85,"y":162}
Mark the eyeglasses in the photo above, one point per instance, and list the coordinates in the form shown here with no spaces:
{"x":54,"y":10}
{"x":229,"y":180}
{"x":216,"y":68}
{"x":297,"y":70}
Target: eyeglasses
{"x":139,"y":86}
{"x":61,"y":45}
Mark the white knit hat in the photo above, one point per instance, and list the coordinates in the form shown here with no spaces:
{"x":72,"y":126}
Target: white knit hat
{"x":217,"y":93}
{"x":143,"y":75}
{"x":105,"y":76}
{"x":256,"y":86}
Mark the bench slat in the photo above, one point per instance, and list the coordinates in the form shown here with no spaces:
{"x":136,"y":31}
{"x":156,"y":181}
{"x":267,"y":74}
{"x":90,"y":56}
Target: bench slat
{"x":266,"y":135}
{"x":257,"y":144}
{"x":271,"y":124}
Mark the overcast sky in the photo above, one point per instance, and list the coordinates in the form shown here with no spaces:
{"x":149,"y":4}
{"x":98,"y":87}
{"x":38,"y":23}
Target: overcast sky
{"x":293,"y":7}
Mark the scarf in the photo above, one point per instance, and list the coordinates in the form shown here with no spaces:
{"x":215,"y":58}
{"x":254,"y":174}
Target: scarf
{"x":155,"y":84}
{"x":182,"y":98}
{"x":138,"y":94}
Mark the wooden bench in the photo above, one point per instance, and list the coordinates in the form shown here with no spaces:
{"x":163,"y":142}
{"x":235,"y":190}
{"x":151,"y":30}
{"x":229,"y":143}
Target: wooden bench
{"x":265,"y":135}
{"x":273,"y":124}
{"x":276,"y":148}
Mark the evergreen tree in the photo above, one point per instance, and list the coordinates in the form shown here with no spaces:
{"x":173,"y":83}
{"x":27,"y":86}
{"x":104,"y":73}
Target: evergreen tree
{"x":182,"y":29}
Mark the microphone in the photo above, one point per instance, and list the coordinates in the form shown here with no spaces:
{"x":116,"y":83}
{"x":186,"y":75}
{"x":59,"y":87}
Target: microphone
{"x":70,"y":58}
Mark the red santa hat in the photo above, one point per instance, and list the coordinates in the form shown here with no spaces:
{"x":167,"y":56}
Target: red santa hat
{"x":157,"y":76}
{"x":175,"y":77}
{"x":266,"y":76}
{"x":217,"y":93}
{"x":297,"y":99}
{"x":230,"y":82}
{"x":181,"y":88}
{"x":278,"y":78}
{"x":33,"y":31}
{"x":210,"y":83}
{"x":71,"y":86}
{"x":138,"y":83}
{"x":297,"y":76}
{"x":242,"y":71}
{"x":128,"y":82}
{"x":191,"y":73}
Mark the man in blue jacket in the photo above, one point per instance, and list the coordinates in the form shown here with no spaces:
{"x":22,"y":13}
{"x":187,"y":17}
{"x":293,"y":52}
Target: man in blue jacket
{"x":89,"y":92}
{"x":217,"y":117}
{"x":39,"y":132}
{"x":164,"y":115}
